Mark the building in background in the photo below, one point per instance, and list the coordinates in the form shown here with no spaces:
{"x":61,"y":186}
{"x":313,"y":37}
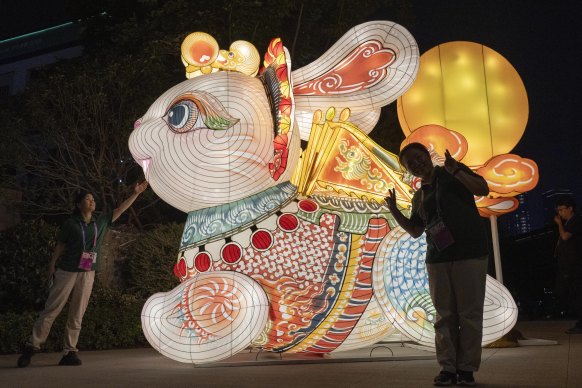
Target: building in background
{"x":536,"y":212}
{"x":518,"y":222}
{"x":21,"y":54}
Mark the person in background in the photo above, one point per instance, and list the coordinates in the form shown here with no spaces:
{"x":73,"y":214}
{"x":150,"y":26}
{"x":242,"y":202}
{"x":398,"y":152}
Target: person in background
{"x":72,"y":272}
{"x":456,"y":259}
{"x":569,"y":256}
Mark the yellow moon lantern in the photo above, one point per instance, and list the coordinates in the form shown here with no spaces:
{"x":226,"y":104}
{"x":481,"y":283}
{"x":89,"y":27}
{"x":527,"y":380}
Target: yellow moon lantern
{"x":471,"y":89}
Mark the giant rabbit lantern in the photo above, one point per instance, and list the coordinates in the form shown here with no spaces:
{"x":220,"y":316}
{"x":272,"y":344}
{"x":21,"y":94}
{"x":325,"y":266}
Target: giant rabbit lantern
{"x":284,"y":249}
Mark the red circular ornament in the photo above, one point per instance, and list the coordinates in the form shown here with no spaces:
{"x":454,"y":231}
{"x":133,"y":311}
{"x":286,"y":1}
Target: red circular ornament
{"x":288,"y":222}
{"x":202,"y":261}
{"x":262,"y":240}
{"x":308,"y":206}
{"x":231,"y":253}
{"x":180,"y":268}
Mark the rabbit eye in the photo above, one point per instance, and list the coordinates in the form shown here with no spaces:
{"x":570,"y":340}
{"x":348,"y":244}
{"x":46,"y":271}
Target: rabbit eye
{"x":197,"y":110}
{"x":182,"y":116}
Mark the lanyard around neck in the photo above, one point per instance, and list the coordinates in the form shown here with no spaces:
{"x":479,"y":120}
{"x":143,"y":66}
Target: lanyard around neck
{"x":94,"y":235}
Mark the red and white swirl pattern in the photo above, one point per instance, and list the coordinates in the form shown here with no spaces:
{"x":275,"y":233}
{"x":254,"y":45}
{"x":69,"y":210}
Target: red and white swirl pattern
{"x":207,"y":318}
{"x":214,"y":304}
{"x":366,"y":65}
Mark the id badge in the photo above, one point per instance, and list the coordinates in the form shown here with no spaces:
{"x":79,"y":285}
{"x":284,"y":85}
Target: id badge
{"x":87,"y":260}
{"x":440,"y":234}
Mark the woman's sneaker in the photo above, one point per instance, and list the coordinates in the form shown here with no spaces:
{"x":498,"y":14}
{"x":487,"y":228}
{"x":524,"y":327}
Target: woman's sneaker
{"x":444,"y":379}
{"x":70,"y":359}
{"x":466,"y":379}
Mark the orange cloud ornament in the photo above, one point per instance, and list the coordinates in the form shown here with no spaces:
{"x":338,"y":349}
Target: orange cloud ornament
{"x":509,"y":175}
{"x":495,"y":206}
{"x":439,"y":139}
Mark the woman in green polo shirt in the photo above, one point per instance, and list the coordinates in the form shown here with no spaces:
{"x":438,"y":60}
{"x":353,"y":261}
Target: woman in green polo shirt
{"x":72,"y":272}
{"x":456,"y":258}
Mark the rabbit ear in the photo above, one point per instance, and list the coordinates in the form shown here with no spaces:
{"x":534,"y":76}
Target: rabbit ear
{"x":275,"y":77}
{"x":367,"y":68}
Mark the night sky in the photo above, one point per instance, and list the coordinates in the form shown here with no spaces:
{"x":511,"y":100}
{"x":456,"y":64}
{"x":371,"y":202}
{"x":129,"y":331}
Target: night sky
{"x":541,"y":39}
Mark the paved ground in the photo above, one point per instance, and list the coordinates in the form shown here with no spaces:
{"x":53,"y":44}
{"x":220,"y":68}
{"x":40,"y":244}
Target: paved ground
{"x":525,"y":366}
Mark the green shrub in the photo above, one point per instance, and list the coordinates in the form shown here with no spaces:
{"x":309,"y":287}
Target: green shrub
{"x":113,"y":317}
{"x":25,"y":253}
{"x":15,"y":329}
{"x":112,"y":320}
{"x":150,"y":261}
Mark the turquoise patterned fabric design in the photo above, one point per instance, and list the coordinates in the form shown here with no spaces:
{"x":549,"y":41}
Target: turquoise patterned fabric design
{"x":403,"y":283}
{"x":355,"y":214}
{"x":208,"y":224}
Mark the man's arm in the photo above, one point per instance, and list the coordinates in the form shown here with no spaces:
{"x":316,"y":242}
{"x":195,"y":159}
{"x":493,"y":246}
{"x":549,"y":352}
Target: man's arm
{"x":137,"y":190}
{"x":475,"y":183}
{"x":412,"y":229}
{"x":564,"y":234}
{"x":57,"y":252}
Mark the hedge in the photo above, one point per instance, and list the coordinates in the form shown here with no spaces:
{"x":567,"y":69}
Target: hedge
{"x":113,"y":317}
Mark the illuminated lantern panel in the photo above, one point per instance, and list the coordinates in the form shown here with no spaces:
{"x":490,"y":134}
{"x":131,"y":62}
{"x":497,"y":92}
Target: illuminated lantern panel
{"x":284,"y":249}
{"x":471,"y":89}
{"x":372,"y":327}
{"x":507,"y":175}
{"x":201,"y":55}
{"x":401,"y":287}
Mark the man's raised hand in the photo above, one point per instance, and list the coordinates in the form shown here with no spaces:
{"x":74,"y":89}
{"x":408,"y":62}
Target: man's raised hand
{"x":451,"y":165}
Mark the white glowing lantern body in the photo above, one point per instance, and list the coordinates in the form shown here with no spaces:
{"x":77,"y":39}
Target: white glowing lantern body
{"x":206,"y":167}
